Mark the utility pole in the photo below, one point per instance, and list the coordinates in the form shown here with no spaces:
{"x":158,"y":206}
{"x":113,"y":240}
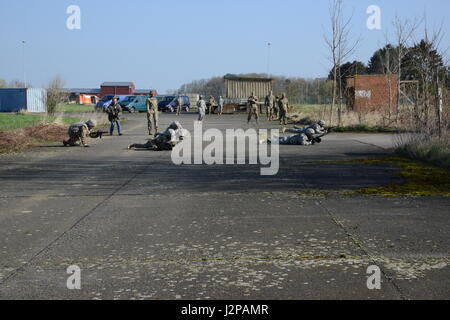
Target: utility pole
{"x":268,"y":57}
{"x":23,"y":64}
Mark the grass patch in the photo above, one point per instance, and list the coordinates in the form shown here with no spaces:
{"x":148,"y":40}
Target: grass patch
{"x":419,"y":180}
{"x":75,"y":108}
{"x":436,"y":152}
{"x":13,"y":121}
{"x":307,"y":108}
{"x":367,"y":128}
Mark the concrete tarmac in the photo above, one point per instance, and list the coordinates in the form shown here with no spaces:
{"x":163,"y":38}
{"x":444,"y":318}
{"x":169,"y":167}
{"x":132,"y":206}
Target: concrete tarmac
{"x":140,"y":227}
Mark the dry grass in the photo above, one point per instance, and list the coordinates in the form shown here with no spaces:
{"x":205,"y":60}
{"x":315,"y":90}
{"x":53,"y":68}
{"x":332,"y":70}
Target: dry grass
{"x":350,"y":120}
{"x":25,"y":137}
{"x":22,"y":130}
{"x":426,"y":148}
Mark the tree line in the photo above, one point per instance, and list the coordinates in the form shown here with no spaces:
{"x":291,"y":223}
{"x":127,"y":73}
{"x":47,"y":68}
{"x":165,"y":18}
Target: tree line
{"x":319,"y":90}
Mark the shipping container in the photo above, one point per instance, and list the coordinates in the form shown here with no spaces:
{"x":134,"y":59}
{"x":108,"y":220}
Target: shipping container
{"x":29,"y":99}
{"x":238,"y":89}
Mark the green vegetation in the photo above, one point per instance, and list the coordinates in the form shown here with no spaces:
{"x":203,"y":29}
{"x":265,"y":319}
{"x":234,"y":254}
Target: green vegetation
{"x":11,"y":121}
{"x":75,"y":108}
{"x":367,"y":128}
{"x":436,"y":152}
{"x":307,"y":108}
{"x":419,"y":180}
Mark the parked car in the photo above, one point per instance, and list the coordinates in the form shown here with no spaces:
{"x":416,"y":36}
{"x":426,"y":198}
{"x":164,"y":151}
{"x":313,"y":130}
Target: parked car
{"x":126,"y":103}
{"x":136,"y":103}
{"x":105,"y":101}
{"x":168,"y":103}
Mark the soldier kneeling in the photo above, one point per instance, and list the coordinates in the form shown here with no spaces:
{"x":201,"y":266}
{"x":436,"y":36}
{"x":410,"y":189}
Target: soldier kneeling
{"x":164,"y":141}
{"x":78,"y":132}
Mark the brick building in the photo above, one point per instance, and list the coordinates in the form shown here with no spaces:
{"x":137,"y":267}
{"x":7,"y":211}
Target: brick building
{"x":118,"y":88}
{"x":372,"y":92}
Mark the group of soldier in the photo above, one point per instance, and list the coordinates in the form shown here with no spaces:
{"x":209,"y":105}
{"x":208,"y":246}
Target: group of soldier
{"x":277,"y":109}
{"x":78,"y":132}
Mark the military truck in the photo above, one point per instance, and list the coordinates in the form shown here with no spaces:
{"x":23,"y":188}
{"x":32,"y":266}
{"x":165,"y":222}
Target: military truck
{"x":239,"y":88}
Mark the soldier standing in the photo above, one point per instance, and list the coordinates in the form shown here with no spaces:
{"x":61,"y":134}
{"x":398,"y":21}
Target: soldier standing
{"x":211,"y":103}
{"x":276,"y":113}
{"x":114,"y":112}
{"x":283,"y":106}
{"x":179,"y":105}
{"x":201,"y":105}
{"x":221,"y":103}
{"x":252,"y":107}
{"x":270,"y":105}
{"x":152,"y":113}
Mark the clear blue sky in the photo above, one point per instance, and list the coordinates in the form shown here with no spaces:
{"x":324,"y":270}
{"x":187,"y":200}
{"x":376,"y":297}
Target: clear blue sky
{"x":163,"y":44}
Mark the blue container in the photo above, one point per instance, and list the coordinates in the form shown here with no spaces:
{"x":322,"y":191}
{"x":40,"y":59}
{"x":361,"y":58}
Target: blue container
{"x":29,"y":99}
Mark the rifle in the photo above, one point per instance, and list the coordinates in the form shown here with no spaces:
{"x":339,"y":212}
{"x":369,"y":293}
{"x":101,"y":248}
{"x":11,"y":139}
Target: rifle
{"x":97,"y":134}
{"x":318,"y":139}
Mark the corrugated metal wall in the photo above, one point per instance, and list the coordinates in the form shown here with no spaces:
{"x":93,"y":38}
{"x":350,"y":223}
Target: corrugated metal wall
{"x":12,"y":100}
{"x":241,"y":89}
{"x":36,"y":100}
{"x":31,"y":99}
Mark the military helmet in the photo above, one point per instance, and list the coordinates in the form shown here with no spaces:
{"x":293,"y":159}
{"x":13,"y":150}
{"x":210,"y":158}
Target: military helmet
{"x":310,"y":131}
{"x":321,"y":122}
{"x":91,"y":123}
{"x":175,"y":125}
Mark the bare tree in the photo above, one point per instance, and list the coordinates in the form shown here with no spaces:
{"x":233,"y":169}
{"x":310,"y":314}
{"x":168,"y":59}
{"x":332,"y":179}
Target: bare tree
{"x":18,"y":84}
{"x":55,"y":96}
{"x":404,"y":32}
{"x":341,"y":47}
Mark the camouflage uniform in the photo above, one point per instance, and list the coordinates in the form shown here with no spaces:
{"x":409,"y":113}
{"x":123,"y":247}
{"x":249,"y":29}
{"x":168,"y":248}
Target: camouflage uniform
{"x":201,"y":105}
{"x":211,"y":103}
{"x":283,"y":106}
{"x":220,"y":106}
{"x":297,"y":139}
{"x":77,"y":134}
{"x":152,"y":115}
{"x":275,"y":108}
{"x":252,"y":108}
{"x":164,"y":141}
{"x":270,"y":105}
{"x":179,"y":105}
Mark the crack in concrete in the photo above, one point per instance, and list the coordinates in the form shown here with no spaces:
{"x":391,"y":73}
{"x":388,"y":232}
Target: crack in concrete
{"x":373,"y":259}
